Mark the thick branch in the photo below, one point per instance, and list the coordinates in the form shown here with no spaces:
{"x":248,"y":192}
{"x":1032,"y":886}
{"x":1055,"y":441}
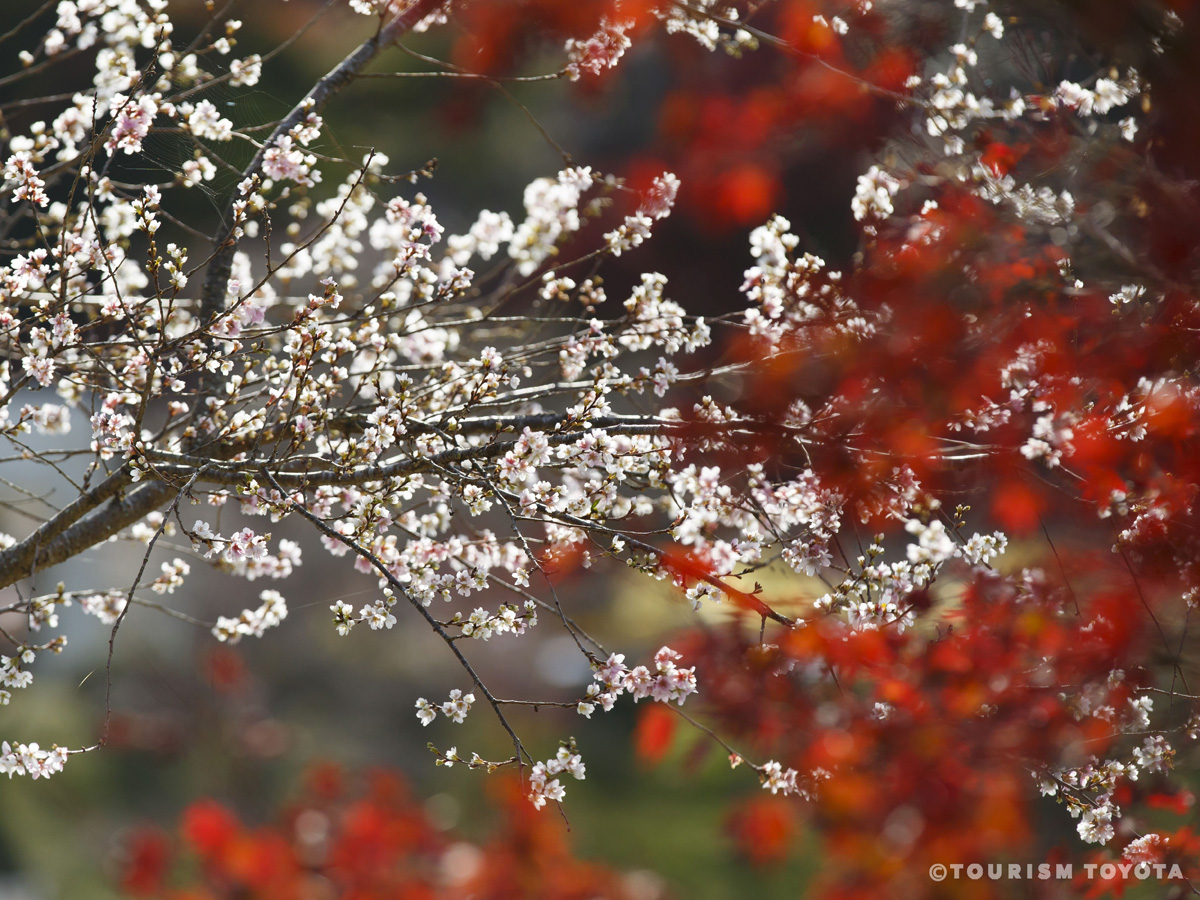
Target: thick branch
{"x":18,"y":560}
{"x":179,"y":465}
{"x":30,"y":556}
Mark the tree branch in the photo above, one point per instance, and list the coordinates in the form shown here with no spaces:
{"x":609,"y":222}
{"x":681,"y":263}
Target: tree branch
{"x":220,"y":265}
{"x":67,"y":534}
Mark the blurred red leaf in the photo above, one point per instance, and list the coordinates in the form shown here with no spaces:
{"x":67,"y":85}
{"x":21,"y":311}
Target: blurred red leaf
{"x":654,"y":732}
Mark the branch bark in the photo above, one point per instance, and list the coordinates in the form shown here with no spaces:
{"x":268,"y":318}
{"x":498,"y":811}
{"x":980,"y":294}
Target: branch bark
{"x":78,"y":531}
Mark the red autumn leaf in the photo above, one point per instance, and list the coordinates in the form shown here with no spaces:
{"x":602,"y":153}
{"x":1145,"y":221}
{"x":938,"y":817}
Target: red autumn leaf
{"x":208,"y":827}
{"x":654,"y":732}
{"x":998,"y":157}
{"x":1178,"y":803}
{"x":745,"y":194}
{"x":224,"y":668}
{"x":764,"y":829}
{"x":1017,"y":507}
{"x":148,"y":856}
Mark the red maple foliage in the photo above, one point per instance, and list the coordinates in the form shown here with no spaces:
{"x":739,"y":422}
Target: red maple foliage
{"x":926,"y":737}
{"x":359,"y":843}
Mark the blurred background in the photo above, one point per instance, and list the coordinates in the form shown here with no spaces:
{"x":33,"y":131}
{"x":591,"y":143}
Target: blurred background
{"x":192,"y":718}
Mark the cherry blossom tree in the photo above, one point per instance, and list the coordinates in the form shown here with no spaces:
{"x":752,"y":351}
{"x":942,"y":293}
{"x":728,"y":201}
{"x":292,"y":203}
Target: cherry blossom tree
{"x":1005,"y":367}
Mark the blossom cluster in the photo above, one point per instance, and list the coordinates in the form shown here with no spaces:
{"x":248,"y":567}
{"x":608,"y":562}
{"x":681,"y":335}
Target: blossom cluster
{"x":455,"y":709}
{"x":252,"y":622}
{"x":544,"y":785}
{"x":31,"y":760}
{"x":667,"y":683}
{"x":343,"y":363}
